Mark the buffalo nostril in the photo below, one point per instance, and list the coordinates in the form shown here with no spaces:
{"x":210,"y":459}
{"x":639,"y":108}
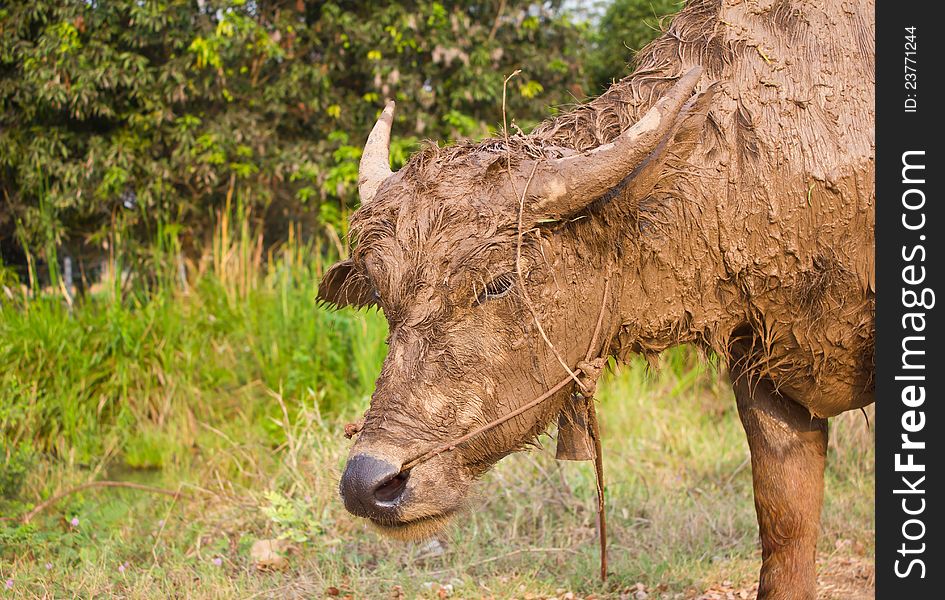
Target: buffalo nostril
{"x":370,"y":486}
{"x":391,"y":489}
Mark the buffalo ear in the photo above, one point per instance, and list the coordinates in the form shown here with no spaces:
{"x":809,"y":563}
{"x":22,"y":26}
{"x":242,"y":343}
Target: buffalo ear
{"x":342,"y":285}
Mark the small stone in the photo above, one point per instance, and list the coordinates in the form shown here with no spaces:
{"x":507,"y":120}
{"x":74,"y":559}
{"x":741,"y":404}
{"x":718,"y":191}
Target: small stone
{"x":266,"y":555}
{"x":432,"y":549}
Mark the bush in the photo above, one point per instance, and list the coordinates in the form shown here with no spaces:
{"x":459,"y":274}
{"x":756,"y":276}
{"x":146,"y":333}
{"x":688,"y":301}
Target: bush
{"x":148,"y":113}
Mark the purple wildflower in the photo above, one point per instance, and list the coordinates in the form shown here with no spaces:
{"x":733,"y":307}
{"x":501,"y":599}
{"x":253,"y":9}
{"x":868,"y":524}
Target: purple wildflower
{"x":9,"y":584}
{"x":49,"y":566}
{"x":74,"y":522}
{"x":217,"y":561}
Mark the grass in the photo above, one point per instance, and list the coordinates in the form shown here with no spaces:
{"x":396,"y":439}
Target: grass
{"x":235,"y":392}
{"x":137,"y":373}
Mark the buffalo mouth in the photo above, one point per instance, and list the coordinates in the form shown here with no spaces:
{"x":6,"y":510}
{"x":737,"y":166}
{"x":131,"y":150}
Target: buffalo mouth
{"x":413,"y":529}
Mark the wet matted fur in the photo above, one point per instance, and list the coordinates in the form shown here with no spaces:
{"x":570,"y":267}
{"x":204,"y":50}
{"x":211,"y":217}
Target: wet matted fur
{"x":748,"y":232}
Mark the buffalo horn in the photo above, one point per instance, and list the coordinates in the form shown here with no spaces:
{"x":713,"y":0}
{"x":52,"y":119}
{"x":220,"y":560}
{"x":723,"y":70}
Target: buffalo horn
{"x":566,"y":185}
{"x":375,"y":160}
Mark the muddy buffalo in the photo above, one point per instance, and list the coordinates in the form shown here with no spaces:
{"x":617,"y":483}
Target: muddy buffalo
{"x":721,"y":195}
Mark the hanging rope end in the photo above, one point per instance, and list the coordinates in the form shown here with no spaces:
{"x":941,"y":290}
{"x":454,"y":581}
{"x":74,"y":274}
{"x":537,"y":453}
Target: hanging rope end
{"x":353,"y":429}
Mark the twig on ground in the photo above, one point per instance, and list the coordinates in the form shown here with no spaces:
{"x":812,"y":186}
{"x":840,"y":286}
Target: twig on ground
{"x":501,"y":556}
{"x":737,"y":470}
{"x":160,"y":532}
{"x":97,"y":484}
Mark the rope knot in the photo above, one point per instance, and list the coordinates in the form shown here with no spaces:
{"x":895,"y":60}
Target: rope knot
{"x":590,"y":373}
{"x":353,"y":429}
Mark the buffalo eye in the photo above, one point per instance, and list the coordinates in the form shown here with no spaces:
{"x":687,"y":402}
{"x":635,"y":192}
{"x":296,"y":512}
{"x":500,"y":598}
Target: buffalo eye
{"x":497,"y":288}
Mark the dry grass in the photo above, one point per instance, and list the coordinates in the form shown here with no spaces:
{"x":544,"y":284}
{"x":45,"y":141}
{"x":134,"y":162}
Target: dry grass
{"x":679,"y":499}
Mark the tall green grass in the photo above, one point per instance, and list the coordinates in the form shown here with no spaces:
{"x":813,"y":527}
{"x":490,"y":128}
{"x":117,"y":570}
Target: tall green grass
{"x":135,"y":367}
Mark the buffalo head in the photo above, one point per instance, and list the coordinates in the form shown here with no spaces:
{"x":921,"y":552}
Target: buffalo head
{"x":491,"y":275}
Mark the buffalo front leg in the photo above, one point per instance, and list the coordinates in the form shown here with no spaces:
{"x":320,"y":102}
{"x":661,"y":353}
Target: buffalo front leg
{"x":788,"y":451}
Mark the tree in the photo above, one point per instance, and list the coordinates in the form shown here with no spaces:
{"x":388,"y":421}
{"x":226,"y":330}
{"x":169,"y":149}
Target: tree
{"x":625,"y":28}
{"x":139,"y":114}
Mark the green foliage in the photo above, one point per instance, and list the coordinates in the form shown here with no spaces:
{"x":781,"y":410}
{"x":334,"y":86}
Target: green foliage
{"x":140,"y":373}
{"x":161,"y":109}
{"x":14,"y":464}
{"x":292,"y":517}
{"x":8,"y":276}
{"x":626,"y":27}
{"x":150,"y":447}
